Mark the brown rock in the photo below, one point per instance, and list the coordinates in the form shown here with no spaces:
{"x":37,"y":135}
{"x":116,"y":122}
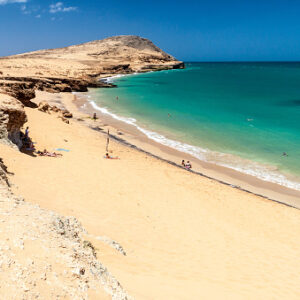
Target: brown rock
{"x":64,"y":119}
{"x":23,"y":91}
{"x":67,"y":114}
{"x":12,"y":118}
{"x":63,"y":87}
{"x":63,"y":114}
{"x":44,"y":107}
{"x":55,"y":109}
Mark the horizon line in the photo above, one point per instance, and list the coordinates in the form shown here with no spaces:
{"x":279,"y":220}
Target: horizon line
{"x":241,"y":61}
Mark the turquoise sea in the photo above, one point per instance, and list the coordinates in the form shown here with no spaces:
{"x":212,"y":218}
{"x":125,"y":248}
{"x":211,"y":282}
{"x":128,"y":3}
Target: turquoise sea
{"x":239,"y":115}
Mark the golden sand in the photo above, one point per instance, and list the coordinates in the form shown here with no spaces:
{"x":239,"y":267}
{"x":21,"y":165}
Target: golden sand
{"x":186,"y":236}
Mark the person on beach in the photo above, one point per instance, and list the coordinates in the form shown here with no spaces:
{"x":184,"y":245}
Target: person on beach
{"x":183,"y":163}
{"x":26,"y":132}
{"x":107,"y":156}
{"x":27,"y":143}
{"x":47,"y":153}
{"x":95,"y":117}
{"x":188,"y":165}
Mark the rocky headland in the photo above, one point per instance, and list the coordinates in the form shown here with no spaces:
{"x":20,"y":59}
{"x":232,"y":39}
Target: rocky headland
{"x":78,"y":67}
{"x":70,"y":69}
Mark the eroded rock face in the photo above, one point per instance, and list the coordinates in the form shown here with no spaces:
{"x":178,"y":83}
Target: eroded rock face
{"x":12,"y":118}
{"x":23,"y":88}
{"x":23,"y":91}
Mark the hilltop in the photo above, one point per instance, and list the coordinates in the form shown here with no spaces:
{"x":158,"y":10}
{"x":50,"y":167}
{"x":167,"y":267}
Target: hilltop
{"x":75,"y":68}
{"x":115,"y":54}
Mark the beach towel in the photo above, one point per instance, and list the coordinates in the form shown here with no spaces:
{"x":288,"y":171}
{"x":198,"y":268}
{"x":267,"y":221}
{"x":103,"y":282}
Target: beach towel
{"x":62,"y":149}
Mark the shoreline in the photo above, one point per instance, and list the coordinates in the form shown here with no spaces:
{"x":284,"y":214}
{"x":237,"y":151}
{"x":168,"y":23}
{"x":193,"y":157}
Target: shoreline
{"x":132,"y":137}
{"x":263,"y":171}
{"x":228,"y":241}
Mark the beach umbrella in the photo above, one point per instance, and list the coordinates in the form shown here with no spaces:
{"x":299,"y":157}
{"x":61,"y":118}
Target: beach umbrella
{"x":107,"y":141}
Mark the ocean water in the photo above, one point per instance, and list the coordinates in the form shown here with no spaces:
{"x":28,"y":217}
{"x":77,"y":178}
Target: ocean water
{"x":239,"y":115}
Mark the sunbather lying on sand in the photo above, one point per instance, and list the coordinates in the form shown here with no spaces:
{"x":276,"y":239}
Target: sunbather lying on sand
{"x":47,"y":153}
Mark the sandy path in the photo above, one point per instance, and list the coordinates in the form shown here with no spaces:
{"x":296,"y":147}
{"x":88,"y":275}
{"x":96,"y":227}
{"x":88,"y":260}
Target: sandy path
{"x":186,"y":237}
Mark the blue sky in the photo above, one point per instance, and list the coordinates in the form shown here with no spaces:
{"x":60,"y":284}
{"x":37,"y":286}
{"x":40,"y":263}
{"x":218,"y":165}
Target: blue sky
{"x":190,"y":30}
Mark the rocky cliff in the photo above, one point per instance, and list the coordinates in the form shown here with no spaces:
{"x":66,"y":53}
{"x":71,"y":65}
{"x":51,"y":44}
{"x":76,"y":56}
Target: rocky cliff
{"x":23,"y":88}
{"x":76,"y":68}
{"x":12,"y":118}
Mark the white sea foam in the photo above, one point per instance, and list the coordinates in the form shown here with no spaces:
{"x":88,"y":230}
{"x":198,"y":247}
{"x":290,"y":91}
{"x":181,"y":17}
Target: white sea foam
{"x":111,"y":79}
{"x":264,"y":172}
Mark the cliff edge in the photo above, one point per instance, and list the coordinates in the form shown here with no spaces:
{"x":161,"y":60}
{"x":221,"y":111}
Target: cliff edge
{"x":12,"y":118}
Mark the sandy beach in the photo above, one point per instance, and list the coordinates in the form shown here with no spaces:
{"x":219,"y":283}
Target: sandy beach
{"x":131,"y":135}
{"x":185,"y":236}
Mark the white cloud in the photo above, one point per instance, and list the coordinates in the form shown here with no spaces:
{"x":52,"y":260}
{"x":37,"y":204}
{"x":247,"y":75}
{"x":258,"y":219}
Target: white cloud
{"x":59,"y":7}
{"x":3,"y":2}
{"x":25,"y":10}
{"x":30,"y":10}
